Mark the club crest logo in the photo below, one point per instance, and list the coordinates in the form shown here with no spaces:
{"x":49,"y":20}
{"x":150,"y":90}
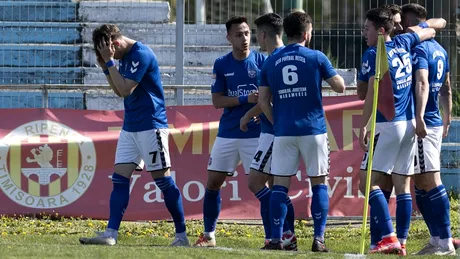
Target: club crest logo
{"x":45,"y":165}
{"x":252,"y":73}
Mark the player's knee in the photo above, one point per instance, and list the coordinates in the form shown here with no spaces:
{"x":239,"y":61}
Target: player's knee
{"x":160,"y":173}
{"x":125,"y":170}
{"x":427,"y":181}
{"x":318,"y":180}
{"x":215,"y":180}
{"x":256,"y":181}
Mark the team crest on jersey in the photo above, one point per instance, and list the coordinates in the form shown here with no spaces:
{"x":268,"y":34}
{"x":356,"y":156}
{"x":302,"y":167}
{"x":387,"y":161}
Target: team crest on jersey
{"x":46,"y":165}
{"x":252,"y":73}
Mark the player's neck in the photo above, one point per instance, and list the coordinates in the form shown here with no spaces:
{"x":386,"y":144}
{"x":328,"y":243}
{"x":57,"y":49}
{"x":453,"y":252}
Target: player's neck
{"x":271,"y":46}
{"x":127,"y":44}
{"x":296,"y":42}
{"x":240,"y":55}
{"x":387,"y":37}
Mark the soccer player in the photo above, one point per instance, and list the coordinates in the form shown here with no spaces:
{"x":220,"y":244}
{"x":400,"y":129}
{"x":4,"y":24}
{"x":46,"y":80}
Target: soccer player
{"x":269,"y":36}
{"x":234,"y":89}
{"x":144,"y":136}
{"x":292,"y":77}
{"x":431,"y":67}
{"x":394,"y":140}
{"x":386,"y":184}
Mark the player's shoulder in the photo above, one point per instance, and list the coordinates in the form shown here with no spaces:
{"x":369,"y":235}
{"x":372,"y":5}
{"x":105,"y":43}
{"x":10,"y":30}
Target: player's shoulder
{"x":402,"y":40}
{"x":257,"y":57}
{"x":141,"y":51}
{"x":370,"y":52}
{"x":223,"y":60}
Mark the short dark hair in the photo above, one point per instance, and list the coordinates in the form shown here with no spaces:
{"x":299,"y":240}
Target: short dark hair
{"x":416,"y":9}
{"x":235,"y":20}
{"x":394,"y":8}
{"x":104,"y":33}
{"x":296,"y":23}
{"x":381,"y":17}
{"x":272,"y":21}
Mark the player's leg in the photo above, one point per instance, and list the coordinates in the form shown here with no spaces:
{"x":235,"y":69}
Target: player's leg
{"x":155,"y":153}
{"x":436,"y":206}
{"x":401,"y":175}
{"x":259,"y":175}
{"x":285,"y":160}
{"x":315,"y":153}
{"x":386,"y":186}
{"x":386,"y":148}
{"x":127,"y":159}
{"x":222,"y":162}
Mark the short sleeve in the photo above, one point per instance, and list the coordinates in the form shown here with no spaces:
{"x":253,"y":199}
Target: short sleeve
{"x":419,"y":58}
{"x":138,"y":65}
{"x":325,"y":67}
{"x":368,"y":65}
{"x":218,"y":84}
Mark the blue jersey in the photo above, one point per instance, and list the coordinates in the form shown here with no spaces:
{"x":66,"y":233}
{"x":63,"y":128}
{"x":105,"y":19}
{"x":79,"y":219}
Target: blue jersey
{"x":400,"y":66}
{"x":145,"y":106}
{"x":294,"y":76}
{"x":265,"y":125}
{"x":431,"y":56}
{"x":237,"y":78}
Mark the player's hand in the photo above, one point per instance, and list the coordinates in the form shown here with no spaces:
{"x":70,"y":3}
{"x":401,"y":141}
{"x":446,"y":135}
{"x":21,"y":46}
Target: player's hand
{"x":244,"y":123}
{"x":106,"y":49}
{"x":253,"y":97}
{"x":101,"y":62}
{"x":445,"y":130}
{"x":363,"y":138}
{"x":420,"y":128}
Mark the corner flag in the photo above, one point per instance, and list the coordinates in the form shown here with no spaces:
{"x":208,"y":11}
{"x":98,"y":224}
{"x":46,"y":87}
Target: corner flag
{"x":384,"y":100}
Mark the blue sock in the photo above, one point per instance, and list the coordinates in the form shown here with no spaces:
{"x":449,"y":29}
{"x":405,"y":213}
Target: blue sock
{"x":173,"y":201}
{"x":376,"y":236}
{"x":430,"y":219}
{"x":419,"y":200}
{"x":387,"y":195}
{"x":290,"y":216}
{"x":264,"y":198}
{"x":379,"y":208}
{"x":119,"y":199}
{"x":403,"y":215}
{"x":211,"y":209}
{"x":440,"y":210}
{"x":319,"y":210}
{"x":278,"y":211}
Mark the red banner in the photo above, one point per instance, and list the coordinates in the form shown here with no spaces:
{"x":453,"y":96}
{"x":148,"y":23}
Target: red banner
{"x":61,"y":161}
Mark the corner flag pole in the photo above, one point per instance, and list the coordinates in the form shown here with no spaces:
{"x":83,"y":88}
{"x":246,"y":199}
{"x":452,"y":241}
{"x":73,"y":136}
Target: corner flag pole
{"x":377,"y":78}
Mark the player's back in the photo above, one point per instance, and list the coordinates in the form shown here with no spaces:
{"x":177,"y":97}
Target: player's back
{"x":294,"y":76}
{"x":432,"y":56}
{"x":145,"y":106}
{"x":400,"y":68}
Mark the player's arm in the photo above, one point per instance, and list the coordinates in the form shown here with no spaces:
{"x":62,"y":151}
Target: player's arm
{"x":423,"y":34}
{"x":367,"y":113}
{"x":337,"y":83}
{"x":101,"y":63}
{"x":361,"y":89}
{"x":436,"y":23}
{"x":219,"y":100}
{"x":253,"y":112}
{"x":446,"y":104}
{"x":329,"y":74}
{"x":421,"y":96}
{"x":265,"y":97}
{"x":123,"y":85}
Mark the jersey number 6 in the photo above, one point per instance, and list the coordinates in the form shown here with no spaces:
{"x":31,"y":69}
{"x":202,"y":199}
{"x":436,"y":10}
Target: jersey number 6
{"x":289,"y":75}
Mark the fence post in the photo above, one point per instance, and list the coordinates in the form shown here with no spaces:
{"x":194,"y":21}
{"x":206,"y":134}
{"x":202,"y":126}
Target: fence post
{"x":180,"y":20}
{"x":45,"y":97}
{"x":200,"y":12}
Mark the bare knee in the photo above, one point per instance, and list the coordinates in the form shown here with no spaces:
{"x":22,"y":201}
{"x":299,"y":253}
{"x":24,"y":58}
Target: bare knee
{"x":160,"y":173}
{"x":401,"y":184}
{"x":215,"y":180}
{"x":125,"y":170}
{"x":318,"y":180}
{"x":257,"y":181}
{"x":427,"y":181}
